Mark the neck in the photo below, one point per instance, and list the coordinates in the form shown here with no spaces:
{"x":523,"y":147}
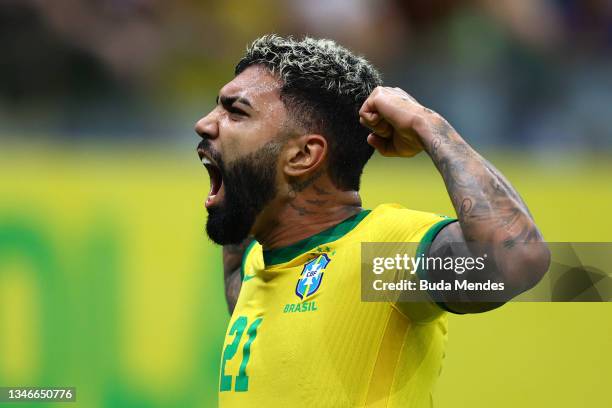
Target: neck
{"x":303,"y":212}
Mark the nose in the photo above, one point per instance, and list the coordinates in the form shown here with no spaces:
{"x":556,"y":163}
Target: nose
{"x":208,"y":127}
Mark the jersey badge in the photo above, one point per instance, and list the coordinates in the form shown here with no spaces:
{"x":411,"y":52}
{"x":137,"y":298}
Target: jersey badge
{"x":311,"y":276}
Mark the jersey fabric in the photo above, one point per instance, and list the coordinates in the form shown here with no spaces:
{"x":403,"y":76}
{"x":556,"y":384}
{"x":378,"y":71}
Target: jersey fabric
{"x":300,"y":335}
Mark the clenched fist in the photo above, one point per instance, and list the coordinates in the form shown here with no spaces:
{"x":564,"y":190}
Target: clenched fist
{"x":400,"y":125}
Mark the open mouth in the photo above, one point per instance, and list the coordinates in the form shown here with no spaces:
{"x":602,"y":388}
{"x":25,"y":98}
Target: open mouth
{"x":216,"y":181}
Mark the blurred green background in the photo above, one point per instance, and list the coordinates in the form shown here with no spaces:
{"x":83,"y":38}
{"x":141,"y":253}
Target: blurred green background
{"x":107,"y":279}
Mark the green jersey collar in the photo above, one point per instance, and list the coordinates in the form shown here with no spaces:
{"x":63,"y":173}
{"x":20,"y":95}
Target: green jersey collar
{"x":285,"y":254}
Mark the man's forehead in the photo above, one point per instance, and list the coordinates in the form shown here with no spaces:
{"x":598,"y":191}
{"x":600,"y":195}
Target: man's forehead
{"x":254,"y":83}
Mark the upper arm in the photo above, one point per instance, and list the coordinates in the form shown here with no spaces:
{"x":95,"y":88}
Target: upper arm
{"x":450,"y":242}
{"x":507,"y":270}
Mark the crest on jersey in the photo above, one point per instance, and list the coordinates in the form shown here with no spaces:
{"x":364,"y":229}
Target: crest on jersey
{"x":311,"y":276}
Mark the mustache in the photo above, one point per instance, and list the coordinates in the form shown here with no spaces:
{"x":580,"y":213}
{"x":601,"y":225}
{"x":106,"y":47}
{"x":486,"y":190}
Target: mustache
{"x":206,"y":146}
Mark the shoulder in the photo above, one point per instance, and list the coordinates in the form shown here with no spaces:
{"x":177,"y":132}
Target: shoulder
{"x":393,"y":222}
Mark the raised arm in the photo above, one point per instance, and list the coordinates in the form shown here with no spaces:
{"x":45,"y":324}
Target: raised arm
{"x":232,"y":260}
{"x":489,"y":209}
{"x":490,"y":212}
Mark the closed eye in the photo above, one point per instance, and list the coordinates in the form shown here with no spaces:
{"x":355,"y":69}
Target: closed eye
{"x":228,"y":104}
{"x":233,"y":109}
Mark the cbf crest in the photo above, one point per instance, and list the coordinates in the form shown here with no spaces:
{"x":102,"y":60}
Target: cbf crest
{"x":311,"y":276}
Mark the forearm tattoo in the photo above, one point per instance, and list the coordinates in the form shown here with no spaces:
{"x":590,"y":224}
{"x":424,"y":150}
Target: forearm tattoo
{"x":488,"y":207}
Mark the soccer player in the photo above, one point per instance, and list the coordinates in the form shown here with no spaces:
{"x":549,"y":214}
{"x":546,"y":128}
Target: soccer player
{"x":285,"y":148}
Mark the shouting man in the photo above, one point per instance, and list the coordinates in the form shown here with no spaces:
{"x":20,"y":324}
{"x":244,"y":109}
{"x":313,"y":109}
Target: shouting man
{"x":285,"y":147}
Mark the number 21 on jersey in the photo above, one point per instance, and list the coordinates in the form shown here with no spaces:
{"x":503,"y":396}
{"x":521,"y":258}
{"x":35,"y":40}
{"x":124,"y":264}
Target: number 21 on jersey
{"x":237,"y":330}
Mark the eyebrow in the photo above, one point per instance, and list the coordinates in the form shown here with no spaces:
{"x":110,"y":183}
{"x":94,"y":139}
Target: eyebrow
{"x":229,"y":100}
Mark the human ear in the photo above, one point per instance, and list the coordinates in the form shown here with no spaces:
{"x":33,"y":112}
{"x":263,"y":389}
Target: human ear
{"x":305,"y":154}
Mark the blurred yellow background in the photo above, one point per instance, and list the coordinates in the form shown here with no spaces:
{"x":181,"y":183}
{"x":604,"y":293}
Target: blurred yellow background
{"x":107,"y":279}
{"x":109,"y":283}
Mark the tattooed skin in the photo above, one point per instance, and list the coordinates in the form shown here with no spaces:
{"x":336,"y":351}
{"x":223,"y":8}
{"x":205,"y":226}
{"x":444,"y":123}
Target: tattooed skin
{"x":490,"y":211}
{"x":232,"y":261}
{"x":301,"y":210}
{"x":320,"y":191}
{"x":484,"y":200}
{"x":298,"y":186}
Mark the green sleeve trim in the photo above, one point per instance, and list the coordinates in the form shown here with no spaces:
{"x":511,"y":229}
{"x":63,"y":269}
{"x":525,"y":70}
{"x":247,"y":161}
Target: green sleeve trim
{"x":423,"y":250}
{"x":244,"y":257}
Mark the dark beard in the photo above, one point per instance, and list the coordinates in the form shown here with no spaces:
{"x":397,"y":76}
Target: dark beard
{"x":250,"y":184}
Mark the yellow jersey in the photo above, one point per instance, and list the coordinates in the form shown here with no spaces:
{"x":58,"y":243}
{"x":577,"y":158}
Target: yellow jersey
{"x":300,"y":336}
